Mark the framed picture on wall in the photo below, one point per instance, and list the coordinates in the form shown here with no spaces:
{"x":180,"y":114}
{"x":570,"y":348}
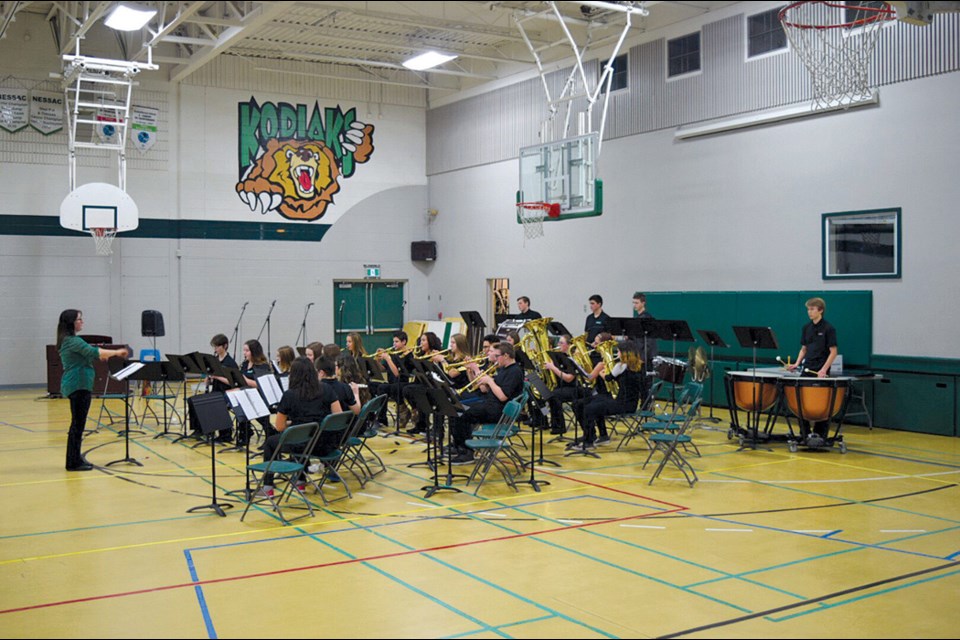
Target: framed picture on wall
{"x":861,"y":244}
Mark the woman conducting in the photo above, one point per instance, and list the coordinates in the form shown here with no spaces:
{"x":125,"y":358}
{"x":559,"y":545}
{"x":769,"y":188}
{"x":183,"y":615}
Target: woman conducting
{"x":77,"y":382}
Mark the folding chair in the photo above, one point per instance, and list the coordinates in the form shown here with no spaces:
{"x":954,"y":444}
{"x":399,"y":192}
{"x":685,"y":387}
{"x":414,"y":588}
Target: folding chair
{"x":296,"y":435}
{"x":488,"y":450}
{"x":357,"y":445}
{"x":667,"y":442}
{"x":330,"y":463}
{"x":114,"y":416}
{"x":645,"y":412}
{"x":515,"y":431}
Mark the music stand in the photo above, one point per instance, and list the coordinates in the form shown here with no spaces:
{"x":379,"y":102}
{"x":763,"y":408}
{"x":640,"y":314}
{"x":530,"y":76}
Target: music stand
{"x":557,"y":328}
{"x":674,"y":330}
{"x":644,"y":329}
{"x":212,"y":415}
{"x":755,"y":338}
{"x":446,"y":405}
{"x":713,"y":339}
{"x":187,"y":364}
{"x":544,"y":392}
{"x":373,"y":369}
{"x":213,"y":367}
{"x":567,"y":365}
{"x":173,"y":373}
{"x":241,"y":413}
{"x":475,"y":327}
{"x":127,"y":373}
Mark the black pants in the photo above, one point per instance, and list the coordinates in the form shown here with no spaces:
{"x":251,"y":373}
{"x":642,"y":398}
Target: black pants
{"x":326,"y":444}
{"x":592,"y":411}
{"x":477,"y":413}
{"x":557,"y":398}
{"x":79,"y":408}
{"x":393,"y":391}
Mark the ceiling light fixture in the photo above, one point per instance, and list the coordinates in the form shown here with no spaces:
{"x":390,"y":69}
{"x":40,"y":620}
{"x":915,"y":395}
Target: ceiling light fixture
{"x":427,"y":60}
{"x":129,"y":17}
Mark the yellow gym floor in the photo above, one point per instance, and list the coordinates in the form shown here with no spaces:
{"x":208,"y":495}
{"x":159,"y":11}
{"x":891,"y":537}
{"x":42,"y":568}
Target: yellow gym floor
{"x":767,"y":544}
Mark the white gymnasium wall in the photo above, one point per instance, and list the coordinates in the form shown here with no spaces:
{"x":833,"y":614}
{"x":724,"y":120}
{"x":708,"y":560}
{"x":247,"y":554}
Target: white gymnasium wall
{"x":198,"y":284}
{"x":739,"y":211}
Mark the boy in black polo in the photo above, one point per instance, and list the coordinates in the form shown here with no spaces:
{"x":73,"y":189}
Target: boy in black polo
{"x":818,"y":349}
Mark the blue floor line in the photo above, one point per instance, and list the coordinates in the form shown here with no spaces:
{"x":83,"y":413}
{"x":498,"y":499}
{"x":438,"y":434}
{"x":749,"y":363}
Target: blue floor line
{"x":201,"y":600}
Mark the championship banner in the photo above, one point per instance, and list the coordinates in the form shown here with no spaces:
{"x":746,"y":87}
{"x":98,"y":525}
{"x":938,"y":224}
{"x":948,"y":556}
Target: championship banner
{"x":106,"y":127}
{"x":46,"y":111}
{"x":14,"y":109}
{"x":143,"y":123}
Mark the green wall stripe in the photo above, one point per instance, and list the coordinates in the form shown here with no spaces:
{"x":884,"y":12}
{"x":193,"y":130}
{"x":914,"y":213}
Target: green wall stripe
{"x":23,"y":225}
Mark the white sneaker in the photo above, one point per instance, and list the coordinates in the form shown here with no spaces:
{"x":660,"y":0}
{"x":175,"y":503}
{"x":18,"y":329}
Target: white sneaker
{"x":266,"y":491}
{"x":314,"y":468}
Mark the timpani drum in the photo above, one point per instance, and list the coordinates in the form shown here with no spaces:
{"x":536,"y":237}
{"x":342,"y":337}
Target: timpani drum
{"x":818,"y":400}
{"x":751,"y":391}
{"x":755,"y":394}
{"x":670,"y":369}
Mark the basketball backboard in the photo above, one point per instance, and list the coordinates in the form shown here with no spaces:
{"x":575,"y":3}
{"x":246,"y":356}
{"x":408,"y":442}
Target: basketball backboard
{"x":563,"y":172}
{"x":98,"y":205}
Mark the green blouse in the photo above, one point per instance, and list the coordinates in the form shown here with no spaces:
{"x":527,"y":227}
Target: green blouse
{"x":78,"y":358}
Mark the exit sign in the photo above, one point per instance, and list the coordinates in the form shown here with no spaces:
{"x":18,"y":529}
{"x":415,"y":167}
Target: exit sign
{"x":372,"y":271}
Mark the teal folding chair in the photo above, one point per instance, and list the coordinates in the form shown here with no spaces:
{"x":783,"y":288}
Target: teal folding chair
{"x":488,"y":451}
{"x":357,"y":453}
{"x":669,"y":444}
{"x":331,"y":463}
{"x":295,"y":436}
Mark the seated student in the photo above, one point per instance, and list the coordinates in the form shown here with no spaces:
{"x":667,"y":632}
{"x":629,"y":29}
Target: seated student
{"x":220,"y":346}
{"x":285,"y":356}
{"x":305,"y":401}
{"x":628,"y":374}
{"x":314,"y":350}
{"x":454,"y":366}
{"x":568,"y":389}
{"x":429,"y":346}
{"x":327,"y":373}
{"x":254,"y":365}
{"x":496,"y":392}
{"x":348,"y":371}
{"x":396,"y":378}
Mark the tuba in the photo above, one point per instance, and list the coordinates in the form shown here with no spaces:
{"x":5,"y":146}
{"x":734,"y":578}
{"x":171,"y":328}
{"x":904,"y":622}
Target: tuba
{"x":580,"y":352}
{"x":606,"y":351}
{"x":536,"y":344}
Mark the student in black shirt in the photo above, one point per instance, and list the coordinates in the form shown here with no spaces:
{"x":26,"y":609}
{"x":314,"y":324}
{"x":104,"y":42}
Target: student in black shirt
{"x":254,"y":365}
{"x":305,"y":401}
{"x":628,"y":374}
{"x":598,"y":321}
{"x":497,"y":390}
{"x":818,"y":350}
{"x":326,"y":370}
{"x":568,"y":389}
{"x":396,"y":378}
{"x":526,"y":313}
{"x":221,"y":346}
{"x":648,"y":348}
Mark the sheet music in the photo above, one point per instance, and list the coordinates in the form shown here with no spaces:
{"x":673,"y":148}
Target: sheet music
{"x":249,"y":402}
{"x":270,"y":387}
{"x":124,"y":373}
{"x":285,"y":383}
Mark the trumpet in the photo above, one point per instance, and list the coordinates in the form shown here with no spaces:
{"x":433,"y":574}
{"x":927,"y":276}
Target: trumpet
{"x":387,"y":352}
{"x":462,"y":365}
{"x":473,"y":384}
{"x":428,"y":356}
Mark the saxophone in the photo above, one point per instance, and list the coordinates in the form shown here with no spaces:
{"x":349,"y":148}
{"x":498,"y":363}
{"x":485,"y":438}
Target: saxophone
{"x":606,"y":351}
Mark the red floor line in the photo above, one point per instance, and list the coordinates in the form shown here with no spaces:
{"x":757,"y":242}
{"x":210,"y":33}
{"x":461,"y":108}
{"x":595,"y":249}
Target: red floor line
{"x":675,"y":507}
{"x":398,"y":554}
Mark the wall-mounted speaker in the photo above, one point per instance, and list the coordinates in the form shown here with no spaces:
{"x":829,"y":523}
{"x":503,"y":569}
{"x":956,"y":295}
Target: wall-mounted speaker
{"x":151,"y":323}
{"x":425,"y":250}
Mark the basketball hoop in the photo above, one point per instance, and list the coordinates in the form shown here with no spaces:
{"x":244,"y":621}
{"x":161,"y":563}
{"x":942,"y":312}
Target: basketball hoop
{"x":836,"y":51}
{"x":103,"y":237}
{"x":532,"y":214}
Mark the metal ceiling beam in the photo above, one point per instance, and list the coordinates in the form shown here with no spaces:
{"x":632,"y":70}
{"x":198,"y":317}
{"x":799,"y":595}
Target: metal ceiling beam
{"x":350,"y":36}
{"x":311,"y":57}
{"x":425,"y":22}
{"x":261,"y":15}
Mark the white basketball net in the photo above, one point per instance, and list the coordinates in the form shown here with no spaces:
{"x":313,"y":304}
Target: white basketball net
{"x":103,"y":237}
{"x":836,"y":52}
{"x":531,"y":216}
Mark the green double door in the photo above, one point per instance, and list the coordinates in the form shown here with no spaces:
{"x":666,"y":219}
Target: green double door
{"x":374,"y":309}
